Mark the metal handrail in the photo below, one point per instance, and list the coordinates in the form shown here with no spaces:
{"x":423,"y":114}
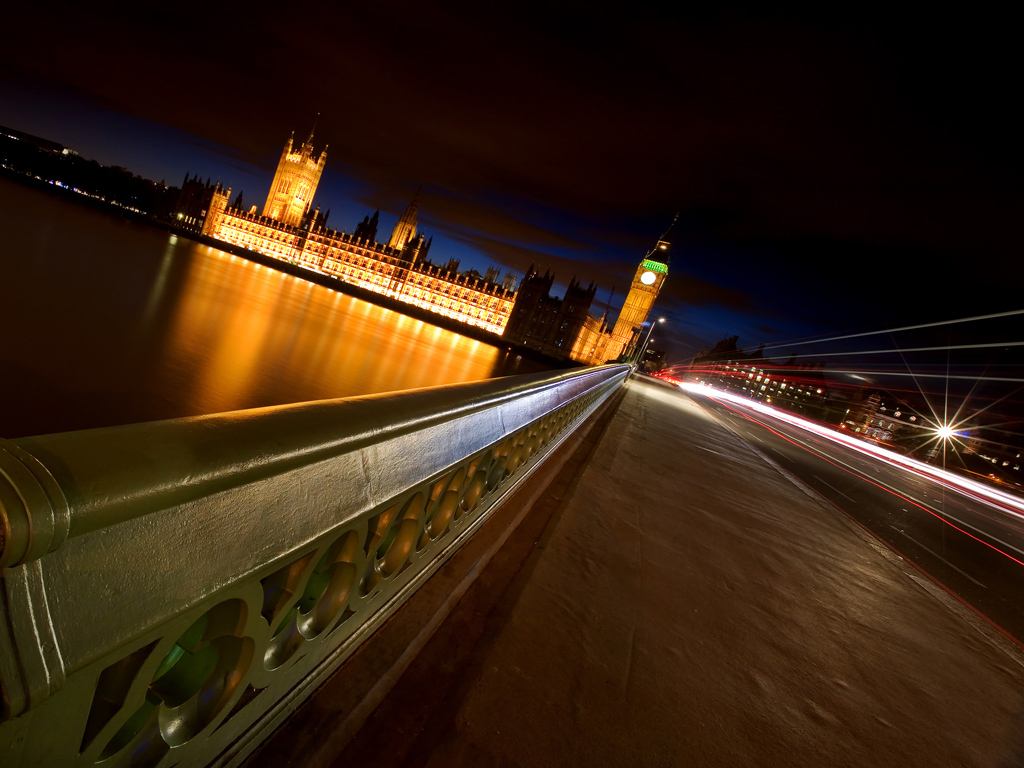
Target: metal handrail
{"x":271,"y":540}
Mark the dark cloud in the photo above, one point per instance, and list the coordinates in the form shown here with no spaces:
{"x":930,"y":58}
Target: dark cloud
{"x":692,"y":291}
{"x":448,"y":212}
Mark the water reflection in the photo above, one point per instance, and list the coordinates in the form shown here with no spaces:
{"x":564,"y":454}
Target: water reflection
{"x":111,"y":322}
{"x":244,"y":335}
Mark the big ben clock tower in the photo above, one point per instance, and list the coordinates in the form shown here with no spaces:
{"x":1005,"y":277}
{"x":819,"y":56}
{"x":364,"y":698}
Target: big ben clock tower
{"x":646,"y":286}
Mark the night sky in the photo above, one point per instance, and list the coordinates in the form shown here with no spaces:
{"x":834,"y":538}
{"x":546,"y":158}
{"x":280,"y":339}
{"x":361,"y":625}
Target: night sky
{"x":835,"y":170}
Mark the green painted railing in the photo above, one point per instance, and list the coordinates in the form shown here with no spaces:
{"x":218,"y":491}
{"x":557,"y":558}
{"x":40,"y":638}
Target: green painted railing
{"x":172,"y":590}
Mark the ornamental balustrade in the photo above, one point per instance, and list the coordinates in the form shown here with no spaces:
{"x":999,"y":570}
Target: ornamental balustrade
{"x":172,"y":590}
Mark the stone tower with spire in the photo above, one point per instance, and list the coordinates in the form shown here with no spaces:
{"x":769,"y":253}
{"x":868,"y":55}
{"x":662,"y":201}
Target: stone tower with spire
{"x":405,"y":229}
{"x":643,"y":291}
{"x":294,"y":185}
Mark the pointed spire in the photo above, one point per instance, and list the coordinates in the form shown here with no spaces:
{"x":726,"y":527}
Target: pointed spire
{"x":405,"y":229}
{"x":660,"y":252}
{"x":667,"y":237}
{"x":313,"y":129}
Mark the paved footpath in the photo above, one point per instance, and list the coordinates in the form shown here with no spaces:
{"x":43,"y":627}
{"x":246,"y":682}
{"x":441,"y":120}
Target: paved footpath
{"x":692,"y":606}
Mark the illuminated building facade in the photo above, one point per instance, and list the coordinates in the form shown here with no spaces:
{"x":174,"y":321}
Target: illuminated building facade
{"x":591,"y":344}
{"x":289,"y":231}
{"x":194,"y":202}
{"x":403,"y":274}
{"x":295,"y":182}
{"x":215,"y":212}
{"x":797,"y":388}
{"x":594,"y":345}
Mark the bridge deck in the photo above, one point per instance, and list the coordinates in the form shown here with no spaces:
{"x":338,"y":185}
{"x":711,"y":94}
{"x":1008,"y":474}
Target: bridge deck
{"x":688,"y":604}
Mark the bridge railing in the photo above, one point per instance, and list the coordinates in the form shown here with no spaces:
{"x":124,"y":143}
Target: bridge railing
{"x":171,"y":590}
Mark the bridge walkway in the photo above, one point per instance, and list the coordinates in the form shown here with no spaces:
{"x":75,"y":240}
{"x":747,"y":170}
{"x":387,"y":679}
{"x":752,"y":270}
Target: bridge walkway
{"x":683,"y":602}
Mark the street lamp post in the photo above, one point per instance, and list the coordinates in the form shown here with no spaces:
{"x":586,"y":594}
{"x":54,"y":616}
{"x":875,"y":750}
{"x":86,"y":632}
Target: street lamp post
{"x":643,"y":347}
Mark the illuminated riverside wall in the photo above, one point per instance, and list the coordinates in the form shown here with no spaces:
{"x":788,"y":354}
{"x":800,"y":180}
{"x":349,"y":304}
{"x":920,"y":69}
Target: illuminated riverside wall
{"x":396,"y":273}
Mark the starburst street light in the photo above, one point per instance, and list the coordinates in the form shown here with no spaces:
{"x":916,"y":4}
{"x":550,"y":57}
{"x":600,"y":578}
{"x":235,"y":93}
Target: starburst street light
{"x":943,"y":434}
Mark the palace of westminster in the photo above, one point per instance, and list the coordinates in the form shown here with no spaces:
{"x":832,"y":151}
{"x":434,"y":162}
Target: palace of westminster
{"x":289,"y":229}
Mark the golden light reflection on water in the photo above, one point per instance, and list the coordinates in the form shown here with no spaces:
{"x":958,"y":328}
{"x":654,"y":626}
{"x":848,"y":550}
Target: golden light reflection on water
{"x":110,"y":322}
{"x":244,"y":335}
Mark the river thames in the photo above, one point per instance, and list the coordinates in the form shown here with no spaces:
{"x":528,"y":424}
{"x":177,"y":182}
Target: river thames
{"x":106,"y":321}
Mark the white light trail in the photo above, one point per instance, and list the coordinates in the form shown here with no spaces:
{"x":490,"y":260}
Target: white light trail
{"x":928,"y":375}
{"x":903,"y":328}
{"x":892,"y":350}
{"x":952,"y":481}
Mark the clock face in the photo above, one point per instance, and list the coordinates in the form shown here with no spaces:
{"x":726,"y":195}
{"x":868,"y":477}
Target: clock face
{"x":648,"y":278}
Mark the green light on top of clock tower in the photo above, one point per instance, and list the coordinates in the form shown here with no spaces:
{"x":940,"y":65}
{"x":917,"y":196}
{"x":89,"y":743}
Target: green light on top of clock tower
{"x":654,"y":266}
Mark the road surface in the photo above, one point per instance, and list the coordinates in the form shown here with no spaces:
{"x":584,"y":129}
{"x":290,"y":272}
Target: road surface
{"x":970,"y":547}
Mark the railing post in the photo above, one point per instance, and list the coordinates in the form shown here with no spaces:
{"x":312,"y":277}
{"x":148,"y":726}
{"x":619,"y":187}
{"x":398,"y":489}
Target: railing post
{"x":34,"y":515}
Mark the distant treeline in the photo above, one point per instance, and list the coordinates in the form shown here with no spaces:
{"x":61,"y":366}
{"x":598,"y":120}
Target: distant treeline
{"x":31,"y":156}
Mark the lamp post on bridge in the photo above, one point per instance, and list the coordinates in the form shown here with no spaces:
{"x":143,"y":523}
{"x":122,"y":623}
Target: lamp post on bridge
{"x":647,"y":338}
